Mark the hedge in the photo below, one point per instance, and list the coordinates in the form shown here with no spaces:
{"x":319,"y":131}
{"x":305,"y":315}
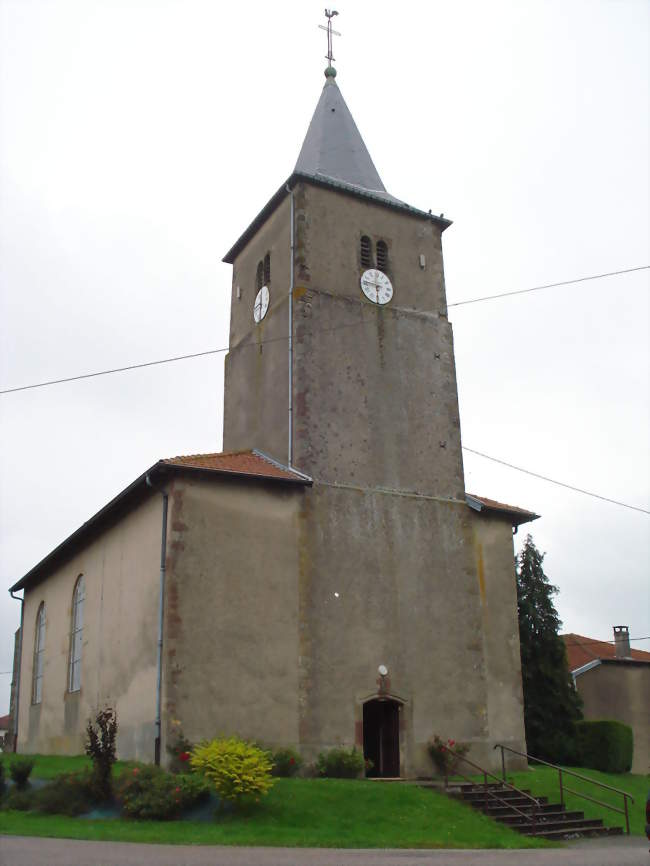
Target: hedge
{"x":605,"y":746}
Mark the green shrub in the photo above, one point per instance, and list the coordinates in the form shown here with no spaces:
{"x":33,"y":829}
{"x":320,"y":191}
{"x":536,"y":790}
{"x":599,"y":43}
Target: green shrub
{"x":341,"y":764}
{"x":151,"y":793}
{"x":67,"y":794}
{"x":19,"y":770}
{"x":605,"y":745}
{"x":101,"y":737}
{"x":21,"y":800}
{"x":237,"y":770}
{"x":2,"y":777}
{"x":286,"y":762}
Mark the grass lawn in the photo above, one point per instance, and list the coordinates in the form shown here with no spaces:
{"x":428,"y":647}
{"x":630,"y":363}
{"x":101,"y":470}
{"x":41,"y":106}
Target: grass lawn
{"x":543,"y":782}
{"x":49,"y":766}
{"x":298,"y":812}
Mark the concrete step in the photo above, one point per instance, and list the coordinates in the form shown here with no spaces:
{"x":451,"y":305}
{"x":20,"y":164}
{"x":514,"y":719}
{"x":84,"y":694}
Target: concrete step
{"x":576,"y":832}
{"x":501,"y":793}
{"x":542,"y":817}
{"x":495,"y":809}
{"x":570,"y":826}
{"x":497,"y":801}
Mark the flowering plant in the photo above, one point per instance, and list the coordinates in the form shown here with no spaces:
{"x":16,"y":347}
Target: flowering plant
{"x":179,"y":750}
{"x":446,"y":754}
{"x":151,"y":793}
{"x":286,"y":762}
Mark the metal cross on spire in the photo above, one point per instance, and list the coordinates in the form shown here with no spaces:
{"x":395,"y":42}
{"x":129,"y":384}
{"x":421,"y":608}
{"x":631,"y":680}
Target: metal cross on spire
{"x":329,"y":13}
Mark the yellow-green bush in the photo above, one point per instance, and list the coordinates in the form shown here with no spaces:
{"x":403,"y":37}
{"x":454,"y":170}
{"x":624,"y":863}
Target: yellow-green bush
{"x":235,"y":768}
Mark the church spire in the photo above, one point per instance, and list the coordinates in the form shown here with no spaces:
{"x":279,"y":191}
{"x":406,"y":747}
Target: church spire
{"x":333,"y":148}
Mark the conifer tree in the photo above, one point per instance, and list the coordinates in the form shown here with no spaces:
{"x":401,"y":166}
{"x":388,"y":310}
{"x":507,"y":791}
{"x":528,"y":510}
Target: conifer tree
{"x":551,"y":703}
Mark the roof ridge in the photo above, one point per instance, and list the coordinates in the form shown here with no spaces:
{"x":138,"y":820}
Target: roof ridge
{"x":208,"y":454}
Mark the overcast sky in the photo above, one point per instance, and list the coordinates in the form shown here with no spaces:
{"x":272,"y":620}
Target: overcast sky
{"x":137,"y":141}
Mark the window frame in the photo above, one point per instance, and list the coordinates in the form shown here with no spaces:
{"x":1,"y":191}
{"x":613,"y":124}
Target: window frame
{"x":76,"y":635}
{"x":365,"y":252}
{"x":39,"y":653}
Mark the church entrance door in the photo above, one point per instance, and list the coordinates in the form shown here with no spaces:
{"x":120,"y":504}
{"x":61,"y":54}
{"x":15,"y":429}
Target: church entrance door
{"x":381,"y":737}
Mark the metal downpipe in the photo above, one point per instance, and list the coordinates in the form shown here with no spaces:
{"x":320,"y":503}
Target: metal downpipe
{"x":161,"y":610}
{"x":20,"y":666}
{"x":291,"y":270}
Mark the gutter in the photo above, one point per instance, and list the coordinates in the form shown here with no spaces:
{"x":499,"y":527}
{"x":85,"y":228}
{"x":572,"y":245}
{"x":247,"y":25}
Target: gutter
{"x":584,"y":668}
{"x":161,"y":611}
{"x":20,"y":664}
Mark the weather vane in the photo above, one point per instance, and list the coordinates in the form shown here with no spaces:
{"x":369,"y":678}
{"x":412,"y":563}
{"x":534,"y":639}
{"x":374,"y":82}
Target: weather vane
{"x":330,"y":13}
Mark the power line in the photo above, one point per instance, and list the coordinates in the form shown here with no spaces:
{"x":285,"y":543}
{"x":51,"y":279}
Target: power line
{"x":559,"y":483}
{"x":547,"y":286}
{"x":175,"y":358}
{"x":165,"y":360}
{"x":589,"y":642}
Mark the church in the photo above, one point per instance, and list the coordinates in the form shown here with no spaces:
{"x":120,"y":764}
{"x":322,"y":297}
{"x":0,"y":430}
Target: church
{"x":326,"y":580}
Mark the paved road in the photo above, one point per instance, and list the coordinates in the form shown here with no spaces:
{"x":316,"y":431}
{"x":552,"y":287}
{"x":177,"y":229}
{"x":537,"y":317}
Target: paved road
{"x":23,"y":851}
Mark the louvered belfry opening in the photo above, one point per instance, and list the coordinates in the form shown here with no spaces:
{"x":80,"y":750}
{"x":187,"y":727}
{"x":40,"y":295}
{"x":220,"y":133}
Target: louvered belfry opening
{"x":259,"y":279}
{"x":366,"y":252}
{"x":382,"y":255}
{"x":267,"y":269}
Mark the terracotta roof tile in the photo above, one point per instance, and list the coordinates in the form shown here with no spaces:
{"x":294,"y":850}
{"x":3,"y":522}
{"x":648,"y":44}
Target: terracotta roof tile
{"x":518,"y":515}
{"x":238,"y":463}
{"x":582,"y":650}
{"x":500,"y":506}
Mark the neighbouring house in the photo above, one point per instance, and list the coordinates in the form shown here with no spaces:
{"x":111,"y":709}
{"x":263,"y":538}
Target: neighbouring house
{"x":4,"y":732}
{"x":326,"y":580}
{"x":614,"y":683}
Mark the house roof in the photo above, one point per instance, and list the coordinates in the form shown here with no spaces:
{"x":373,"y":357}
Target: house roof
{"x":515,"y":514}
{"x":4,"y":723}
{"x":243,"y":464}
{"x":582,"y":650}
{"x":239,"y":463}
{"x":334,"y":155}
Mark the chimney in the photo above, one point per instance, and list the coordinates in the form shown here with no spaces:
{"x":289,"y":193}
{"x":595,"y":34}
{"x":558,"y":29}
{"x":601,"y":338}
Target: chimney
{"x":622,"y":641}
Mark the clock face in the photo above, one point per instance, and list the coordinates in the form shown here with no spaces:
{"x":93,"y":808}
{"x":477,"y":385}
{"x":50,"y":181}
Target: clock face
{"x":376,"y":286}
{"x":261,"y":304}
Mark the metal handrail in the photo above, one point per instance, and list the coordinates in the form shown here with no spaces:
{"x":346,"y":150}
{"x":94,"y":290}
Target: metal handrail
{"x":488,"y":793}
{"x":563,"y":788}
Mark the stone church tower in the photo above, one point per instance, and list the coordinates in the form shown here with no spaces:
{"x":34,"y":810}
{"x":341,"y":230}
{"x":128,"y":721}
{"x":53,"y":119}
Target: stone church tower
{"x":362,"y":398}
{"x":326,"y":580}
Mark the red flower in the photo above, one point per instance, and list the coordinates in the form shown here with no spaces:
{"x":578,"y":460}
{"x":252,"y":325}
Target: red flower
{"x":452,"y":743}
{"x":176,"y":790}
{"x":184,"y":756}
{"x":135,"y":771}
{"x":292,"y":760}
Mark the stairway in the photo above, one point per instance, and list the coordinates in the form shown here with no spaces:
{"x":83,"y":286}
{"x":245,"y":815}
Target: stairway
{"x":547,"y":820}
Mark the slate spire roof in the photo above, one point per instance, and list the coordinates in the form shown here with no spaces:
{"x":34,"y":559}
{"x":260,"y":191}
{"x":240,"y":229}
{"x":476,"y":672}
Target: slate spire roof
{"x":333,"y":148}
{"x":333,"y":154}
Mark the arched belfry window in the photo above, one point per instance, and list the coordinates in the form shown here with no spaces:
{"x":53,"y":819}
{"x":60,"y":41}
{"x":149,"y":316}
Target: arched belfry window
{"x":382,"y":255}
{"x":39,"y":651}
{"x":366,"y":252}
{"x":76,"y":635}
{"x":259,"y":278}
{"x":267,"y":269}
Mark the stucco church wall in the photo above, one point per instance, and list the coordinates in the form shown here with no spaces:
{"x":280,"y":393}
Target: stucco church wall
{"x":256,"y":368}
{"x":231,"y":621}
{"x":494,"y":556}
{"x":118,"y":667}
{"x":404,"y":568}
{"x":621,"y":691}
